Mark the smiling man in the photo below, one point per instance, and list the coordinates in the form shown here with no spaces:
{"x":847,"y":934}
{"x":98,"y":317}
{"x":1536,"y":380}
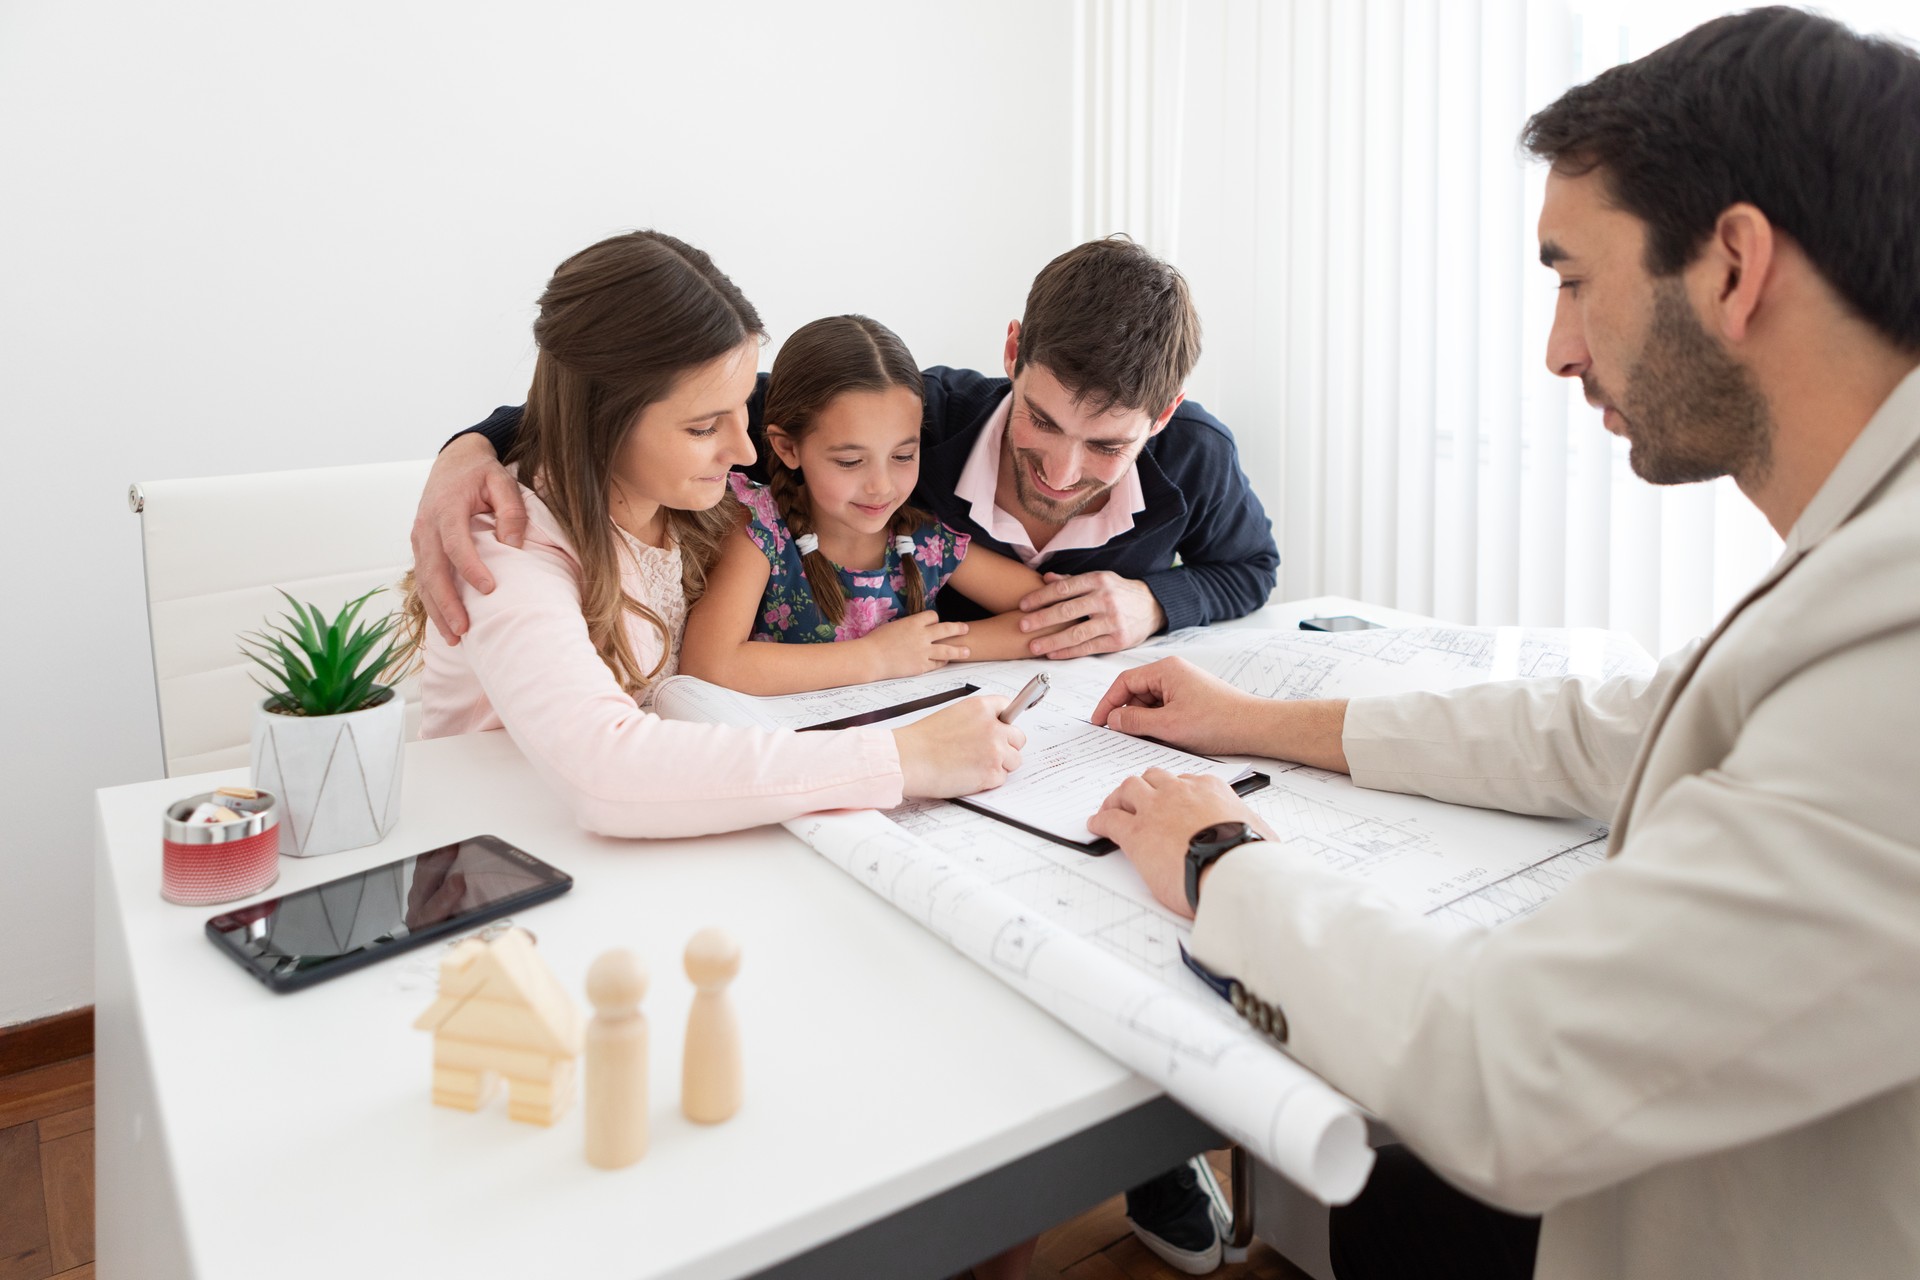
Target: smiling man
{"x":1085,"y":461}
{"x":1702,"y":1058}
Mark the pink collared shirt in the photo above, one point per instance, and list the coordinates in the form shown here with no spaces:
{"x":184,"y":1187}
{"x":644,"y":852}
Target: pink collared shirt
{"x":980,"y":478}
{"x":527,"y":666}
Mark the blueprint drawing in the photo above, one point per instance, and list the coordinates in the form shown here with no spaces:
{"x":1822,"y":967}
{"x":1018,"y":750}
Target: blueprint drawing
{"x":1083,"y":937}
{"x":1316,"y":664}
{"x":1182,"y":1038}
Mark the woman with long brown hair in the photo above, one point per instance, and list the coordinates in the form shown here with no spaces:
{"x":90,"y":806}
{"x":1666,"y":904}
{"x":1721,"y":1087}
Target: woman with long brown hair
{"x":636,"y":416}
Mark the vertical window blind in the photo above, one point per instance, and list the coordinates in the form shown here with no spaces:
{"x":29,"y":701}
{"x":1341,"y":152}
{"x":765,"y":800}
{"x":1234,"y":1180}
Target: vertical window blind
{"x":1340,"y":181}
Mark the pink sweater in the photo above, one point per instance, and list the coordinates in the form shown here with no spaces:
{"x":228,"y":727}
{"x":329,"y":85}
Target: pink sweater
{"x":526,"y":665}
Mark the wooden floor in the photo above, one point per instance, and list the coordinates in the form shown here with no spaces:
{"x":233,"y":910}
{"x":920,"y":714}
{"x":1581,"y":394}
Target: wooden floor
{"x":46,"y":1198}
{"x":46,"y":1172}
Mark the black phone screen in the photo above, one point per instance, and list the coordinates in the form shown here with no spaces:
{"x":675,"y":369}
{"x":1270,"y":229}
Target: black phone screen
{"x":333,"y":928}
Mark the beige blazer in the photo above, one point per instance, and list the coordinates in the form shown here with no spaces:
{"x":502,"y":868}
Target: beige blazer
{"x":1703,"y":1058}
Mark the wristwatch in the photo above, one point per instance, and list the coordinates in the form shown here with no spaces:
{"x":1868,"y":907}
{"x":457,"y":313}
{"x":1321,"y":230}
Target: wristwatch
{"x":1208,"y":844}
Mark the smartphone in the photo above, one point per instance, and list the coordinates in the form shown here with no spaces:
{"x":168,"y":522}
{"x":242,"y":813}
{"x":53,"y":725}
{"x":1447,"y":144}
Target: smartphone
{"x":1342,"y":622}
{"x":318,"y":933}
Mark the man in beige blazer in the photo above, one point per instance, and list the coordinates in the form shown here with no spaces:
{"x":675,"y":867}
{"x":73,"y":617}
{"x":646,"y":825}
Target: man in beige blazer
{"x":1703,"y":1058}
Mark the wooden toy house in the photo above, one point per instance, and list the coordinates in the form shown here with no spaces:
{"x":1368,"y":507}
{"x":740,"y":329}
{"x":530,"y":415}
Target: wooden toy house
{"x":502,"y":1014}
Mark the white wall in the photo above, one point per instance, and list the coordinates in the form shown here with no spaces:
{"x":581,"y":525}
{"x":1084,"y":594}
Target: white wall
{"x":243,"y":237}
{"x":1358,"y":225}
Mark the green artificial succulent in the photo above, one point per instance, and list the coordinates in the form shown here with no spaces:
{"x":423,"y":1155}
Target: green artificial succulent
{"x":323,"y":668}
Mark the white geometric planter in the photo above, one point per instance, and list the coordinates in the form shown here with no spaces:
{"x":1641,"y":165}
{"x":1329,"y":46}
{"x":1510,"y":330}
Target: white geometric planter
{"x":338,"y":777}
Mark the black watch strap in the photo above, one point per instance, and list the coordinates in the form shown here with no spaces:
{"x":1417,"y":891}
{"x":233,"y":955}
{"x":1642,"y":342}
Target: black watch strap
{"x":1207,"y":845}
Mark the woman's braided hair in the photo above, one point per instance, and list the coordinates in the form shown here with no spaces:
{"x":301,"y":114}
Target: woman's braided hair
{"x":822,"y":360}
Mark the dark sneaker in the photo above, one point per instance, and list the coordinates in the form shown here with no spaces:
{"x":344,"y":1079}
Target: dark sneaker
{"x":1175,"y":1216}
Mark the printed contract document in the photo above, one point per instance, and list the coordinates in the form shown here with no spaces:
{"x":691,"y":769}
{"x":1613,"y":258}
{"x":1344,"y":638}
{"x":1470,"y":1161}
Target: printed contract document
{"x":1069,"y":766}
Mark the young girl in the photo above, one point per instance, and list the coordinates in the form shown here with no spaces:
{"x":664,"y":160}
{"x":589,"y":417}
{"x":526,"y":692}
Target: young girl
{"x":830,"y":550}
{"x":637,"y":413}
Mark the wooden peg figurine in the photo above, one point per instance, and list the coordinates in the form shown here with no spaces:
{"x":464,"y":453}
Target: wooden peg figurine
{"x":501,"y":1012}
{"x":616,"y":1088}
{"x":710,"y":1087}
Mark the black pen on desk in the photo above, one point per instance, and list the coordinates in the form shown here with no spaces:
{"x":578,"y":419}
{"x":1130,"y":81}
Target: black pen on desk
{"x":1034,"y":690}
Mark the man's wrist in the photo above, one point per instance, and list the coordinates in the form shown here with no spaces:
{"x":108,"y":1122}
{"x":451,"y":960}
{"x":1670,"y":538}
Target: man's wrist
{"x":1213,"y":866}
{"x":1306,"y":732}
{"x":1242,"y":725}
{"x":471,"y":434}
{"x":1209,"y":845}
{"x":1158,"y":622}
{"x":1272,"y":719}
{"x":1176,"y":599}
{"x":1156,"y":613}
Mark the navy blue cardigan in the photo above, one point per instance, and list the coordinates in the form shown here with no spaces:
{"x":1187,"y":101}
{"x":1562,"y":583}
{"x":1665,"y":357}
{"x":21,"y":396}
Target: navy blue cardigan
{"x":1204,"y":545}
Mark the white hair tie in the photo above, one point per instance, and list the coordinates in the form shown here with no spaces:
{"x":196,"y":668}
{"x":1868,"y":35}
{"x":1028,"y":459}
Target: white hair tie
{"x":904,"y":545}
{"x":807,"y":542}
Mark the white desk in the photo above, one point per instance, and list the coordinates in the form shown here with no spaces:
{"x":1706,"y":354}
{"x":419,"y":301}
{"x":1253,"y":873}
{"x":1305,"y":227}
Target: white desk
{"x":905,"y":1113}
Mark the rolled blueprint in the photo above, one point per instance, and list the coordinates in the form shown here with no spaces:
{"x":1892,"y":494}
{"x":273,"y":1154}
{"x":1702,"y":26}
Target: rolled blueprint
{"x":1187,"y":1042}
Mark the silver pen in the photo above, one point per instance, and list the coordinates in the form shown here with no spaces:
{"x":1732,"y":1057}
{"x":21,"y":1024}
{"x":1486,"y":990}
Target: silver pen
{"x":1034,"y":690}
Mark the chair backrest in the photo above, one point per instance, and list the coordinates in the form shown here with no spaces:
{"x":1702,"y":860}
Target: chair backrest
{"x":217,"y":548}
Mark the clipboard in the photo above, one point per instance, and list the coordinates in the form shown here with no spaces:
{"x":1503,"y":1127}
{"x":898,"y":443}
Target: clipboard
{"x":1246,"y":784}
{"x":880,"y":715}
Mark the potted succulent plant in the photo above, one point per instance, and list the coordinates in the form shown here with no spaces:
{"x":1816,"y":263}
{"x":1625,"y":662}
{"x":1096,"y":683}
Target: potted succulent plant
{"x":327,"y":739}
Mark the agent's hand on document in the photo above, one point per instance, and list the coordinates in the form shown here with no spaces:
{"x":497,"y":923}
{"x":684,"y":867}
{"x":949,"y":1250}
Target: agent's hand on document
{"x":959,"y":750}
{"x":1175,"y":702}
{"x":1154,"y":816}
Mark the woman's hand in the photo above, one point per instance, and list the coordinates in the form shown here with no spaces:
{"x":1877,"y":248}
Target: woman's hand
{"x":913,"y":645}
{"x":466,"y":480}
{"x":959,"y":750}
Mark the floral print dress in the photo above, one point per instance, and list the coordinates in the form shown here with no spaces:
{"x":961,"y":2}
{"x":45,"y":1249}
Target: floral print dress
{"x":874,"y":596}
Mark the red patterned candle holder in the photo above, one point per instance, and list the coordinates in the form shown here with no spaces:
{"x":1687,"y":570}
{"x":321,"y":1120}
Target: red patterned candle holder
{"x":208,"y":862}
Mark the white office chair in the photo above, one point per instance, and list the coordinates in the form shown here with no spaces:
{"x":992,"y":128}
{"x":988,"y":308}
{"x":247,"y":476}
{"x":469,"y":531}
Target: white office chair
{"x":216,"y":548}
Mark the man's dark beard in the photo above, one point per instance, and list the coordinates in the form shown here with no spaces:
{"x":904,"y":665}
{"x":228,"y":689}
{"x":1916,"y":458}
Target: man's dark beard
{"x":1039,"y":505}
{"x":1692,"y":412}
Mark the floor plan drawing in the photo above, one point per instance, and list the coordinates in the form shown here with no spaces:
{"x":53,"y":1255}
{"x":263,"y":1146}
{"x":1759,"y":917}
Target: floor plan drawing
{"x":1314,"y":664}
{"x":1425,"y":855}
{"x":1100,"y":899}
{"x":1082,"y":936}
{"x":1526,"y":890}
{"x":1168,"y":1027}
